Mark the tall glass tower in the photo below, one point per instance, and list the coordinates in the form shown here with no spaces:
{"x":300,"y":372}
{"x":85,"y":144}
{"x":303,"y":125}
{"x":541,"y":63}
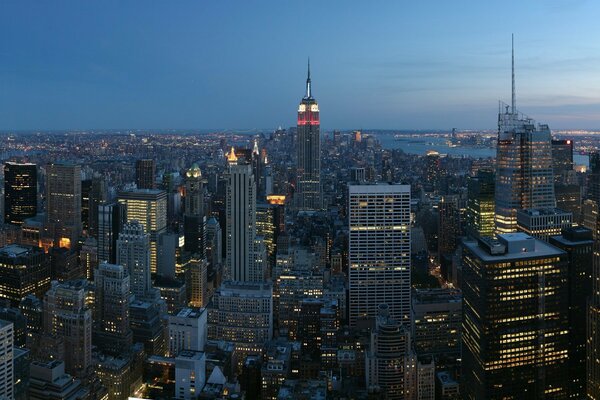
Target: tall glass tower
{"x":308,"y":153}
{"x":524,"y":177}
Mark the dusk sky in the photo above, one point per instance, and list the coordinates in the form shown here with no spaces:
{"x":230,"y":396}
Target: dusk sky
{"x":242,"y":64}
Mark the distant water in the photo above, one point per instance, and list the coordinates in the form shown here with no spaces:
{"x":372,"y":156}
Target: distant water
{"x":420,"y":145}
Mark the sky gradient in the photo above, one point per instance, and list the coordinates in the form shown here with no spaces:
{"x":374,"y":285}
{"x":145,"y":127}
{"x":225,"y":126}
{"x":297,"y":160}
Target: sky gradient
{"x":239,"y":64}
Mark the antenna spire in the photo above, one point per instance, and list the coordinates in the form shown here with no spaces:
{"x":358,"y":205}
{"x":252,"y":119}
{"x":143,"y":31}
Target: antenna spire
{"x":308,"y":94}
{"x":514,"y":97}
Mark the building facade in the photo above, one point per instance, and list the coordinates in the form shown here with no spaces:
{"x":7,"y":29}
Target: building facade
{"x":308,"y":153}
{"x":379,"y":251}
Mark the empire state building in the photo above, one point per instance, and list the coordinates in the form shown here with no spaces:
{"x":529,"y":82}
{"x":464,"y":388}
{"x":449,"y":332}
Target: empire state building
{"x":308,"y":153}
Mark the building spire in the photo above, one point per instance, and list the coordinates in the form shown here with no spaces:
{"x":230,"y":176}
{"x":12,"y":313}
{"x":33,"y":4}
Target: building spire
{"x":308,"y":94}
{"x":514,"y":97}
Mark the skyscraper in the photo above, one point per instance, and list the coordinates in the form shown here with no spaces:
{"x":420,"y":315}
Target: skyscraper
{"x":133,"y":253}
{"x":111,"y":218}
{"x":148,"y":207}
{"x":379,"y":251}
{"x":308,"y":153}
{"x":20,"y":192}
{"x":6,"y":361}
{"x":145,"y":170}
{"x":194,"y":223}
{"x":63,"y":202}
{"x":67,"y":315}
{"x":562,"y":159}
{"x":577,"y":242}
{"x":113,"y":332}
{"x":241,"y":221}
{"x":480,"y":204}
{"x":524,"y":176}
{"x":515,"y":340}
{"x":23,"y":270}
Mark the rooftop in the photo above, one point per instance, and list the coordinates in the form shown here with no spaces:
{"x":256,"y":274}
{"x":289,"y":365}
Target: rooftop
{"x":518,"y":246}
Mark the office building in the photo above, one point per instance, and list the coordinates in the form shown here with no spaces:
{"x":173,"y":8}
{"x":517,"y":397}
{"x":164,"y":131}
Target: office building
{"x":194,"y":221}
{"x":214,"y":242}
{"x":149,"y":208}
{"x":593,"y":330}
{"x":386,"y":359}
{"x":67,"y":315}
{"x":542,"y":223}
{"x":6,"y":360}
{"x":98,"y":195}
{"x":308,"y":194}
{"x":113,"y":332}
{"x":379,"y":251}
{"x":145,"y":171}
{"x":111,"y":218}
{"x":480,"y":204}
{"x":133,"y":253}
{"x":148,"y":327}
{"x":24,"y":270}
{"x":448,"y":225}
{"x":562,"y":159}
{"x":196,"y":281}
{"x":122,"y":374}
{"x":437,"y":318}
{"x":524,"y":175}
{"x":578,"y":243}
{"x":241,"y":222}
{"x":187,"y":330}
{"x":20,"y":192}
{"x":48,"y":381}
{"x":63,"y":203}
{"x":242,"y":313}
{"x":190,"y":374}
{"x":515,"y":333}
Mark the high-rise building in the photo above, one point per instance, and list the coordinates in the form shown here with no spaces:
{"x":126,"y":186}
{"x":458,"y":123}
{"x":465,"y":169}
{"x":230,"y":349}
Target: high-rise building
{"x":308,"y":153}
{"x":241,"y":221}
{"x":23,"y":270}
{"x":190,"y":374}
{"x":593,"y":330}
{"x":111,"y":218}
{"x":6,"y":360}
{"x":448,"y":225}
{"x":112,"y":308}
{"x":562,"y":159}
{"x":480,"y":204}
{"x":63,"y":203}
{"x":148,"y":207}
{"x":379,"y":251}
{"x":578,"y":243}
{"x":98,"y":195}
{"x":594,"y":177}
{"x":194,"y":222}
{"x":196,"y":281}
{"x":389,"y":349}
{"x":242,"y":313}
{"x":86,"y":191}
{"x":20,"y":192}
{"x":67,"y":315}
{"x":437,"y":318}
{"x":515,"y":333}
{"x":148,"y":327}
{"x":524,"y":176}
{"x":133,"y":253}
{"x":48,"y":381}
{"x":544,"y":222}
{"x":145,"y":170}
{"x":187,"y":330}
{"x":214,"y":243}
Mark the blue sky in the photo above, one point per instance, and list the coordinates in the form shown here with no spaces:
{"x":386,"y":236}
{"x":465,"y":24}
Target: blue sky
{"x":242,"y":64}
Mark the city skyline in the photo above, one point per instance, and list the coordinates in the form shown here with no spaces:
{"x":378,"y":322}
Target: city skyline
{"x":405,"y":66}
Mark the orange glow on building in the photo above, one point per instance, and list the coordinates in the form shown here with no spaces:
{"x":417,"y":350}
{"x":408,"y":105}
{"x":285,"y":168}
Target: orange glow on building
{"x":276,"y":199}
